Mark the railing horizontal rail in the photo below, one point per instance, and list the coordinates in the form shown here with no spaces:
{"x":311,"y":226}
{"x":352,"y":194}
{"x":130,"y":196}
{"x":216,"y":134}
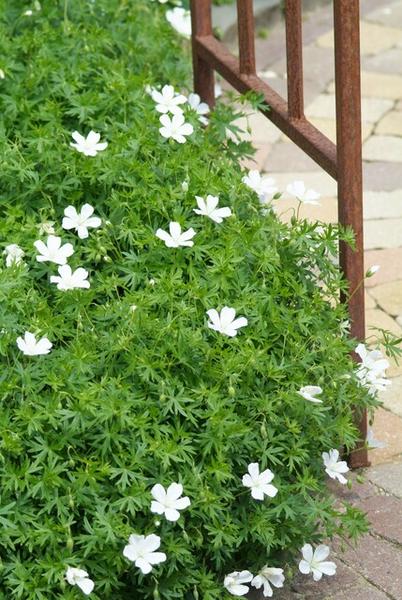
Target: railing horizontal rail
{"x":301,"y":131}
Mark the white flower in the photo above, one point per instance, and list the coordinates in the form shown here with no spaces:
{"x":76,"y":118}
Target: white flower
{"x":167,"y":100}
{"x":53,"y":251}
{"x":28,"y":13}
{"x":315,"y":562}
{"x":175,"y":127}
{"x":69,"y":280}
{"x":266,"y":577}
{"x":46,"y":227}
{"x":371,"y":371}
{"x":2,"y":75}
{"x":80,"y":221}
{"x":201,"y":108}
{"x":14,"y":255}
{"x":184,"y":186}
{"x":208,"y":208}
{"x":260,"y":483}
{"x":225,"y":321}
{"x":309,"y":392}
{"x":262,"y":186}
{"x":169,"y":502}
{"x":29,"y":346}
{"x":180,"y":20}
{"x":80,"y":578}
{"x":90,"y":145}
{"x":141,"y":551}
{"x":373,"y":270}
{"x":299,"y":190}
{"x":176,"y":238}
{"x":335,"y":467}
{"x":234,"y":582}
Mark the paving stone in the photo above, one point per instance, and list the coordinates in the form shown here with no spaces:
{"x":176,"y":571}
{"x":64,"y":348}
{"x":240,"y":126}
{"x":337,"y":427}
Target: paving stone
{"x":374,"y":38}
{"x":391,"y":124}
{"x":382,"y":176}
{"x":289,"y":157}
{"x":389,"y":297}
{"x":323,"y":107}
{"x":392,"y":400}
{"x":376,"y":85}
{"x":385,"y":515}
{"x":260,"y":157}
{"x":369,"y":301}
{"x":388,"y":15}
{"x":395,"y":369}
{"x":390,"y":261}
{"x":382,"y":233}
{"x":363,"y":591}
{"x":319,"y":181}
{"x":378,"y":561}
{"x":327,"y":212}
{"x":385,"y":62}
{"x":258,"y":128}
{"x":387,"y":428}
{"x":383,"y":147}
{"x":345,"y":578}
{"x":319,"y":70}
{"x":383,"y":205}
{"x":355,"y":493}
{"x":378,"y":319}
{"x":389,"y":478}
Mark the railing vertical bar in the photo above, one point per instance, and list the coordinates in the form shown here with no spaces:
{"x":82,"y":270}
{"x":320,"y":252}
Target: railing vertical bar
{"x":294,"y":57}
{"x":350,"y":179}
{"x":245,"y":22}
{"x":201,"y":25}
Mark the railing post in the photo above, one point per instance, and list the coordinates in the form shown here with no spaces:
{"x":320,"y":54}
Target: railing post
{"x":294,"y":57}
{"x":201,"y":23}
{"x":245,"y":24}
{"x":350,"y":179}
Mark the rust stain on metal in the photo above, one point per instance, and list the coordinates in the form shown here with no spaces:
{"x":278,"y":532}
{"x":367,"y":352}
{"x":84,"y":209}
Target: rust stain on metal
{"x":294,"y":58}
{"x":342,"y":161}
{"x":245,"y":21}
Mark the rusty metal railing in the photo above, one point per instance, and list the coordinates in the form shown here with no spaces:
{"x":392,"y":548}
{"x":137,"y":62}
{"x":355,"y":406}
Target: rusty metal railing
{"x":342,"y":161}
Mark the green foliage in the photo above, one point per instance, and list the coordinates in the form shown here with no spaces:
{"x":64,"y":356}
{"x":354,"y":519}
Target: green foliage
{"x":128,"y":398}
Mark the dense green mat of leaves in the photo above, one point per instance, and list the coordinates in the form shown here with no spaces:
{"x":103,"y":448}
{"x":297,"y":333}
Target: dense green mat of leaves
{"x":132,"y":397}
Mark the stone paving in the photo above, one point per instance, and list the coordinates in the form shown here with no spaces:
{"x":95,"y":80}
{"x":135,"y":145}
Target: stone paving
{"x":373,"y":570}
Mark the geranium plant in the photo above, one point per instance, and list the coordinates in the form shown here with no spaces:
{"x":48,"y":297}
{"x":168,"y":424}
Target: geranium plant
{"x":161,"y":434}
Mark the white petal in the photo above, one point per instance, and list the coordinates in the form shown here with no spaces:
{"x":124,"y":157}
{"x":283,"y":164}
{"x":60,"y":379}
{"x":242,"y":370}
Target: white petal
{"x":78,"y":137}
{"x":182,"y":503}
{"x":93,"y":138}
{"x":328,"y":568}
{"x":321,"y":552}
{"x":254,"y":470}
{"x":86,"y":585}
{"x":307,"y":552}
{"x":151,"y":542}
{"x":143,"y":565}
{"x":158,"y":492}
{"x":304,"y":567}
{"x":157,"y":507}
{"x":174,"y":491}
{"x":227,"y":315}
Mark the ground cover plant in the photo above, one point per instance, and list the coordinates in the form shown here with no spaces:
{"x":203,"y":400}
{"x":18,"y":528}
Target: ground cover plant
{"x":175,"y":362}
